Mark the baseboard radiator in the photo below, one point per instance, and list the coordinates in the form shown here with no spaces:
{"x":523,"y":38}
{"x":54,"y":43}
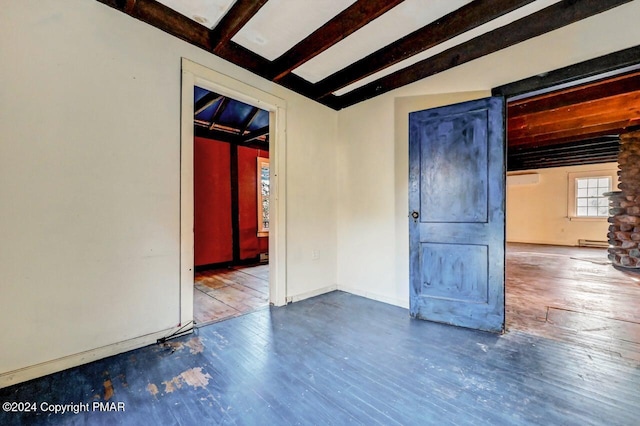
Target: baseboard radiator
{"x":593,"y":243}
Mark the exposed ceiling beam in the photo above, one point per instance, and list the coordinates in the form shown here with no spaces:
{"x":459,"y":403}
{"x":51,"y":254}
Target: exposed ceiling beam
{"x":551,"y":18}
{"x":451,"y":25}
{"x":205,"y":102}
{"x":218,"y":113}
{"x":239,"y":14}
{"x":255,"y":134}
{"x":594,"y":91}
{"x":590,"y":151}
{"x":165,"y":19}
{"x":218,"y":135}
{"x":342,"y":25}
{"x":247,"y":122}
{"x":573,"y":74}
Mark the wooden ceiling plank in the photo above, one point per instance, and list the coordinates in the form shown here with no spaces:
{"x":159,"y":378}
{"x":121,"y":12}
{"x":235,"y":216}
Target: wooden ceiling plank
{"x":595,"y":145}
{"x":237,"y":16}
{"x":577,"y":152}
{"x":531,"y":142}
{"x":599,"y":110}
{"x":548,"y":19}
{"x":578,"y":94}
{"x":339,"y":27}
{"x":205,"y":102}
{"x":562,"y":135}
{"x":451,"y":25}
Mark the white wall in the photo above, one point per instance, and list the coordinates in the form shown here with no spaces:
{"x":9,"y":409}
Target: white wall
{"x":372,"y":166}
{"x":90,"y":180}
{"x":537,"y":213}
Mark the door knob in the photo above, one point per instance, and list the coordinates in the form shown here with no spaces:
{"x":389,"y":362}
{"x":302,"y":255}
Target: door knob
{"x":415,"y":215}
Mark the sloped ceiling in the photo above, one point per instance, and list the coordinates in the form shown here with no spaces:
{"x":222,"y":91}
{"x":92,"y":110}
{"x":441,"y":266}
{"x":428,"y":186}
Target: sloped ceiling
{"x":341,"y":52}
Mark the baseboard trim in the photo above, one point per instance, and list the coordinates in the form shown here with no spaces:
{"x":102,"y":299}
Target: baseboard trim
{"x":309,"y":294}
{"x":49,"y":367}
{"x":374,"y":296}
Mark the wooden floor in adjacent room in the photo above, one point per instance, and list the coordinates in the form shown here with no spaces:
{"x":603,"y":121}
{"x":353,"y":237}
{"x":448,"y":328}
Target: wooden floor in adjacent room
{"x":224,"y":293}
{"x":575,"y":295}
{"x":570,"y":357}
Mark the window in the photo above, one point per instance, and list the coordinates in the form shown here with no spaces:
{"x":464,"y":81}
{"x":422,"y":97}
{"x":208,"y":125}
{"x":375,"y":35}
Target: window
{"x":263,"y":197}
{"x":585,"y":193}
{"x":590,"y":201}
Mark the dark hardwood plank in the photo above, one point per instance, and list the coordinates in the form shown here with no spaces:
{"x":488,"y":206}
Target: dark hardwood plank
{"x":340,"y":359}
{"x":573,"y":294}
{"x":339,"y":27}
{"x":553,"y":17}
{"x":455,"y":23}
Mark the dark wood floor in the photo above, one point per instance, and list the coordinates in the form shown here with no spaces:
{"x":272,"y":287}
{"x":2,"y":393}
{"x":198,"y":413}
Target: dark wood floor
{"x":340,"y":358}
{"x":573,"y":294}
{"x":220,"y":294}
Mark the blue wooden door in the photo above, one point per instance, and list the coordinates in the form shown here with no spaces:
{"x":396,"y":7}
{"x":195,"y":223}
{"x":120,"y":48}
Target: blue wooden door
{"x":457,"y":221}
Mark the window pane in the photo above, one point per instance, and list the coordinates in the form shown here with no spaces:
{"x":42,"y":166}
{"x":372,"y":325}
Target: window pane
{"x":589,"y":201}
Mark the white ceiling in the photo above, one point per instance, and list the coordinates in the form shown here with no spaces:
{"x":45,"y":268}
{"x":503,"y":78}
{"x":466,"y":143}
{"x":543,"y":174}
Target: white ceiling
{"x":281,"y":24}
{"x":205,"y":12}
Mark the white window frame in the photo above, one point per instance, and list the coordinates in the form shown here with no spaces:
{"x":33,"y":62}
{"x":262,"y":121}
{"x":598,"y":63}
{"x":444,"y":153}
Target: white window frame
{"x":572,"y":191}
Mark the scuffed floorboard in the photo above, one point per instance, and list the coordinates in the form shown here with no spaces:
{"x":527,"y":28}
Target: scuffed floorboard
{"x":220,"y":294}
{"x":573,"y":295}
{"x":342,"y":359}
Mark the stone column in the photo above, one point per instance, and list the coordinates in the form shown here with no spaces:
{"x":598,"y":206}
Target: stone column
{"x":624,"y":231}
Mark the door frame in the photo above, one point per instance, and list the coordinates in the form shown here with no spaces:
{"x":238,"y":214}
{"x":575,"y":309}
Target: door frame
{"x":196,"y":74}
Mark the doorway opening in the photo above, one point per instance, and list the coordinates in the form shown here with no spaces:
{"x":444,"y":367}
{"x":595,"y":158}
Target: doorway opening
{"x":562,"y":157}
{"x":232,"y":162}
{"x":231,"y":207}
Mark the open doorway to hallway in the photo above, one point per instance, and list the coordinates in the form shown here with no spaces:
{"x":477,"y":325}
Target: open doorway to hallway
{"x":231,"y":207}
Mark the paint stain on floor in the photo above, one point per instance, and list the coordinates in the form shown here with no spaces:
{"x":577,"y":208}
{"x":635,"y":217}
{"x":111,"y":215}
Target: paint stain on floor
{"x":152,"y":388}
{"x":193,"y":377}
{"x":108,"y":390}
{"x":194,"y":344}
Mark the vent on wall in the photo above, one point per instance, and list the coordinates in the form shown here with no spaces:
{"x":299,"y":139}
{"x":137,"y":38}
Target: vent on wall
{"x":593,"y":243}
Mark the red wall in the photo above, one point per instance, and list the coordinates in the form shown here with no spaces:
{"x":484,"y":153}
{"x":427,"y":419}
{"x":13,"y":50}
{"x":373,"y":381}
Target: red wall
{"x":212,"y":202}
{"x":212,"y":199}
